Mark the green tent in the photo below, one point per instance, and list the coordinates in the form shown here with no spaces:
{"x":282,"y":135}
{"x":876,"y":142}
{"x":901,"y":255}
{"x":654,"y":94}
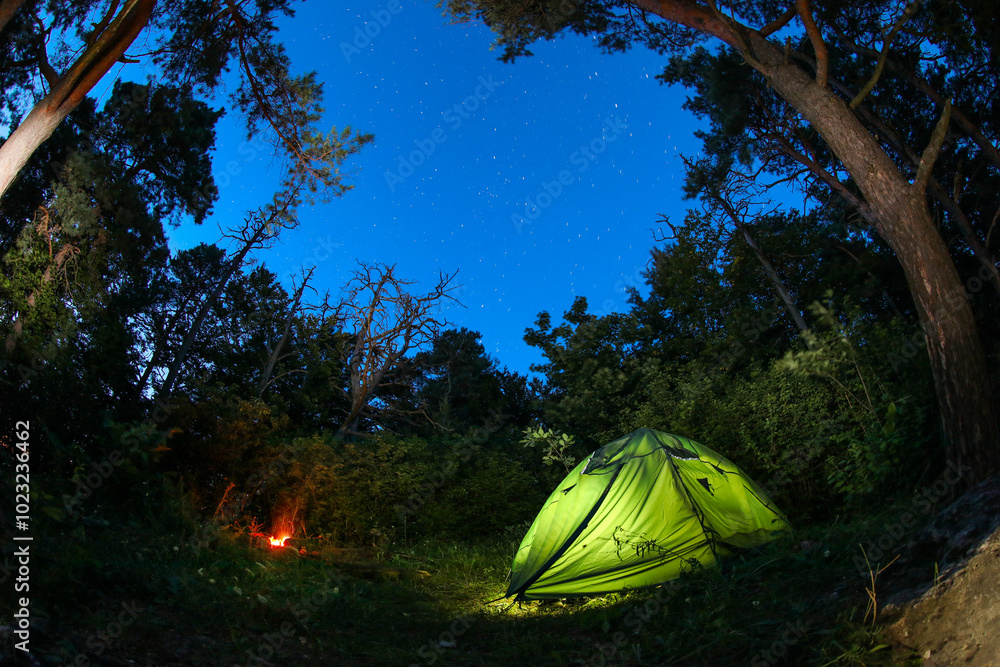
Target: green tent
{"x":640,"y":511}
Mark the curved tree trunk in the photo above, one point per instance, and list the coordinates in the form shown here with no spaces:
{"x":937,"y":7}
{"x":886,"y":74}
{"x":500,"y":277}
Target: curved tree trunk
{"x":235,"y":264}
{"x":102,"y":52}
{"x":901,"y":216}
{"x":899,"y":213}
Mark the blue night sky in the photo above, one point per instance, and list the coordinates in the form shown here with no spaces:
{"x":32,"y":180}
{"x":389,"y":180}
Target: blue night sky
{"x":602,"y":124}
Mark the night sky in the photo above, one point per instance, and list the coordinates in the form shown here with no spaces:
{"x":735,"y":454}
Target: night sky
{"x":539,"y":180}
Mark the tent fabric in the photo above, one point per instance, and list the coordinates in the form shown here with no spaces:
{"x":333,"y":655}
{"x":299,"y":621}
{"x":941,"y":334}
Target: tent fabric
{"x":638,"y":512}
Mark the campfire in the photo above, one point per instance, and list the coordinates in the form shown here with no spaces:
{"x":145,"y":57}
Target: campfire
{"x":278,"y":541}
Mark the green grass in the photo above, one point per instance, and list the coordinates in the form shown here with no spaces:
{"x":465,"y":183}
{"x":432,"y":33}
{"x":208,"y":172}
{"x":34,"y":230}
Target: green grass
{"x":227,"y":600}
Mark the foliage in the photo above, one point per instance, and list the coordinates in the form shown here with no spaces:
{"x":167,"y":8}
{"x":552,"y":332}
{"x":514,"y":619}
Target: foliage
{"x":459,"y":383}
{"x":592,"y":370}
{"x":447,"y":445}
{"x":555,"y":446}
{"x":385,"y":321}
{"x":222,"y":441}
{"x":804,"y":438}
{"x":190,"y":44}
{"x":798,"y":600}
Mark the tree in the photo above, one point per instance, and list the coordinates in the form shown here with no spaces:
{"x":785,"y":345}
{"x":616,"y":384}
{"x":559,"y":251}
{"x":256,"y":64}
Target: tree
{"x":103,"y":47}
{"x":178,"y":292}
{"x":733,"y":200}
{"x":895,"y":206}
{"x":385,"y":321}
{"x":259,"y":230}
{"x":276,"y":351}
{"x":112,"y":194}
{"x":78,"y":281}
{"x":594,"y":370}
{"x":458,"y":383}
{"x":193,"y":41}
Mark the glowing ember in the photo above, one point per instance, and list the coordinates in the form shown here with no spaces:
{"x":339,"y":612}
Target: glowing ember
{"x":278,"y":541}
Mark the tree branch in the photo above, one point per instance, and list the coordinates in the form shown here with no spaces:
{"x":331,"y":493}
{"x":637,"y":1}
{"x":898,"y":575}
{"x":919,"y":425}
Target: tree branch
{"x":971,"y":238}
{"x":963,"y":121}
{"x":44,"y":67}
{"x":779,"y":23}
{"x":102,"y":24}
{"x":933,"y":148}
{"x":693,"y":15}
{"x":910,"y":10}
{"x":816,"y":37}
{"x":817,"y":169}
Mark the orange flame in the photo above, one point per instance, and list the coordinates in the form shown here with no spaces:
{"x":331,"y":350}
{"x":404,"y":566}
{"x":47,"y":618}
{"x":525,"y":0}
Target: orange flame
{"x":278,"y":541}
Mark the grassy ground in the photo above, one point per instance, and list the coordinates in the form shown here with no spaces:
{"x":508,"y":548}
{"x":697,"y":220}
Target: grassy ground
{"x":134,"y":595}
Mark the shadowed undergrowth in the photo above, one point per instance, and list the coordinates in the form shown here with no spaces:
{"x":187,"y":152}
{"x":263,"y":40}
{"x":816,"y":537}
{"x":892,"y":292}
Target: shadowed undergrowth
{"x":153,"y":597}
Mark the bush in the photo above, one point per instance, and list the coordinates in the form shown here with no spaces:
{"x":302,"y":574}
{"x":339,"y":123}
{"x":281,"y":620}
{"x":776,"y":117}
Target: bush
{"x":386,"y":488}
{"x":816,"y":429}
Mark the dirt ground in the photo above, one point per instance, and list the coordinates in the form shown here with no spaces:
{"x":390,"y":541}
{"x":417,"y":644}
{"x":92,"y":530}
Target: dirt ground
{"x":956,"y":621}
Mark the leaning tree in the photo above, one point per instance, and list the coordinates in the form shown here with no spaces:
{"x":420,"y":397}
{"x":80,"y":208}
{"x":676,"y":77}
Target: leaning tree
{"x":53,"y":53}
{"x":808,"y":59}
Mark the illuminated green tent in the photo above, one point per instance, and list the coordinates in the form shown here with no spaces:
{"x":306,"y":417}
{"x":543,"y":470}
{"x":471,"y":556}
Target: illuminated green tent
{"x":637,"y":512}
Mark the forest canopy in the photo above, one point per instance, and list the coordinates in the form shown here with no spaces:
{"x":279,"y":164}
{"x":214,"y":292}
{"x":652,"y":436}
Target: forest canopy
{"x":844,"y":349}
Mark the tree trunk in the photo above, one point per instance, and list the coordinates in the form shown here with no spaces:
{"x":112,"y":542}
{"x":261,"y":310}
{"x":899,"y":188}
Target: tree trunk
{"x":275,"y":355}
{"x":160,"y":342}
{"x":902,"y":218}
{"x":362,"y":389}
{"x":29,"y":135}
{"x":772,"y":273}
{"x":779,"y":285}
{"x":234,"y":265}
{"x":69,"y":90}
{"x":971,"y":238}
{"x":900,"y":215}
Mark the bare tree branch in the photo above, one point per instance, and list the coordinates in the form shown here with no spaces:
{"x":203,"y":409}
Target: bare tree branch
{"x":259,"y":230}
{"x":385,"y":322}
{"x":275,"y":353}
